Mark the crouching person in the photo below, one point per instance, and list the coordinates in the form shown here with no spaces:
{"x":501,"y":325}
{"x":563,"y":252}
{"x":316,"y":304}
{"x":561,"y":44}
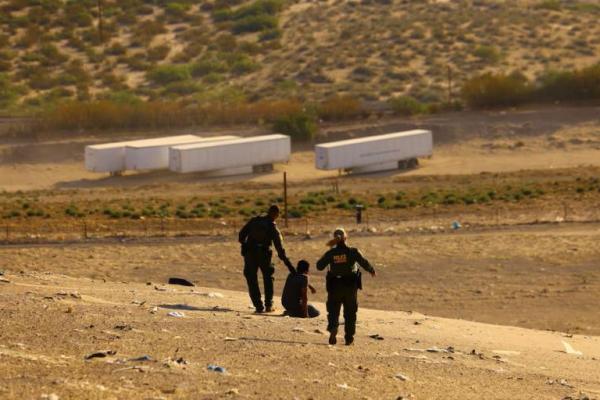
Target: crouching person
{"x":295,"y":293}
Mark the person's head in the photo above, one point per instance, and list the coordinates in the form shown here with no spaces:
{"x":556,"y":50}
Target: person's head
{"x":273,"y":212}
{"x":302,"y":267}
{"x":339,"y":237}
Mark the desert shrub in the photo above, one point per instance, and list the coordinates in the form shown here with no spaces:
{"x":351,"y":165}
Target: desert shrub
{"x":158,"y":53}
{"x":582,"y":84}
{"x":553,"y":5}
{"x":407,"y":105}
{"x":300,"y":126}
{"x":182,"y":88}
{"x":116,"y":49}
{"x":8,"y":92}
{"x":177,"y":11}
{"x":207,"y":66}
{"x":42,"y":80}
{"x":77,"y":13}
{"x":146,"y":30}
{"x":166,"y":74}
{"x":254,"y":23}
{"x":488,"y":54}
{"x":270,"y":34}
{"x":496,"y":90}
{"x":51,"y":55}
{"x":340,"y":108}
{"x":243,"y":65}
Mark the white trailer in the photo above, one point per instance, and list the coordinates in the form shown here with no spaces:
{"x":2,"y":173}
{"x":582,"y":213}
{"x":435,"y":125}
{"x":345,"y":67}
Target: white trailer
{"x":375,"y":153}
{"x":232,"y":157}
{"x":153,"y":154}
{"x":110,"y":157}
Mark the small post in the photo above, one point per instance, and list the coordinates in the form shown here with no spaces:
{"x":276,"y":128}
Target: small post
{"x":100,"y":22}
{"x":85,"y":234}
{"x":285,"y":200}
{"x":7,"y":233}
{"x":162,"y":226}
{"x":359,"y":209}
{"x":449,"y":85}
{"x":565,"y":212}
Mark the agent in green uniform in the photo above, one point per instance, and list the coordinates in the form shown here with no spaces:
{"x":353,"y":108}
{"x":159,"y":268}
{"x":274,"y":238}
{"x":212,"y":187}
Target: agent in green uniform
{"x":343,"y":282}
{"x":256,"y":238}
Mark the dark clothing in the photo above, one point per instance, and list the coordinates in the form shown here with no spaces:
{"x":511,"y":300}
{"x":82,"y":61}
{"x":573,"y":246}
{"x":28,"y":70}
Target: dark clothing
{"x":252,"y":263}
{"x":343,"y":281}
{"x":291,"y":299}
{"x":346,"y":295}
{"x":256,"y":238}
{"x":258,"y":235}
{"x":342,"y":261}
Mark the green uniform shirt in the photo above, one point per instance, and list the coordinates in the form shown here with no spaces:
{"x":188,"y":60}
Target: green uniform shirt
{"x":342,"y":261}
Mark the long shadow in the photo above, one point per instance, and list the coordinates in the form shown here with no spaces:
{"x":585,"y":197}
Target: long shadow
{"x":254,"y":339}
{"x":193,"y":308}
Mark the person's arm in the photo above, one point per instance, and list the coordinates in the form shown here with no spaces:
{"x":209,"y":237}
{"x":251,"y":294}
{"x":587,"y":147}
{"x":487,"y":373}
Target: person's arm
{"x":364,"y":263}
{"x":278,"y":243}
{"x":304,"y":300}
{"x":312,"y":289}
{"x":324,"y":262}
{"x":244,"y":232}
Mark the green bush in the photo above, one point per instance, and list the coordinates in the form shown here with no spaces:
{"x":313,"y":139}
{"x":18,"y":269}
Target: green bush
{"x":254,"y":23}
{"x":300,"y":126}
{"x":488,"y":54}
{"x":243,"y":65}
{"x":577,"y":85}
{"x":406,"y":105}
{"x":8,"y":91}
{"x":206,"y":67}
{"x":166,"y":74}
{"x":496,"y":90}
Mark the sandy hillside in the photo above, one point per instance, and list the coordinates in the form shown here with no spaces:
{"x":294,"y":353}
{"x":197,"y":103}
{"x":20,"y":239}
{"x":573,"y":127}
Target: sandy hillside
{"x":51,"y":322}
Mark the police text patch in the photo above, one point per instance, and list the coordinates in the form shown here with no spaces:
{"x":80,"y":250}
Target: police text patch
{"x":340,"y":259}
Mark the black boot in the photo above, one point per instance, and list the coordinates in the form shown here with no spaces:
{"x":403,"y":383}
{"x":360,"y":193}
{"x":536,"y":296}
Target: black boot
{"x":349,"y":340}
{"x":332,"y":338}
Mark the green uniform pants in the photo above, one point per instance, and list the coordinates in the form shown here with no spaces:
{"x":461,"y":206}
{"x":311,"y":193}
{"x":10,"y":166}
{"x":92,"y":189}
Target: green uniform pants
{"x":342,"y":294}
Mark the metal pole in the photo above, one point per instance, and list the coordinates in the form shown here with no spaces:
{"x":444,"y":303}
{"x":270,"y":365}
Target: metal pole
{"x":285,"y":200}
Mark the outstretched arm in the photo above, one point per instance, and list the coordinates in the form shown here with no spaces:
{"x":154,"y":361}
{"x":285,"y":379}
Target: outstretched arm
{"x":278,"y":243}
{"x":303,"y":303}
{"x":364,"y":263}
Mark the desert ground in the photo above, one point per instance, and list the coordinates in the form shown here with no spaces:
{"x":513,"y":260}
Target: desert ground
{"x":505,"y":307}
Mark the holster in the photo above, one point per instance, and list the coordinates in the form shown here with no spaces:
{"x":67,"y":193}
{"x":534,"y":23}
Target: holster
{"x":359,"y":280}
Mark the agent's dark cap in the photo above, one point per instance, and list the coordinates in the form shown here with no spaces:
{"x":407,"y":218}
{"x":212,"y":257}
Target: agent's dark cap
{"x":274,"y":209}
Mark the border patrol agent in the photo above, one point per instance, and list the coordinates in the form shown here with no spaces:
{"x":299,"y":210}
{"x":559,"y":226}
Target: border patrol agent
{"x":343,"y":282}
{"x":256,"y":238}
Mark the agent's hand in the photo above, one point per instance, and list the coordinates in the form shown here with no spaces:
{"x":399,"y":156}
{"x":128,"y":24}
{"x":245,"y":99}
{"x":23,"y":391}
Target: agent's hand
{"x":312,"y":290}
{"x":373,"y":274}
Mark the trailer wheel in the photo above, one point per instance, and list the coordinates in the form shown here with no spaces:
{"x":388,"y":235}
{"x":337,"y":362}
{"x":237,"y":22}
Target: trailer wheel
{"x":413,"y":163}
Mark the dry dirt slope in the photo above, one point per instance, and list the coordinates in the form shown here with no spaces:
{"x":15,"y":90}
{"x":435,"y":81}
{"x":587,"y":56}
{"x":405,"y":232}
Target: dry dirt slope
{"x":50,"y":322}
{"x":371,"y":49}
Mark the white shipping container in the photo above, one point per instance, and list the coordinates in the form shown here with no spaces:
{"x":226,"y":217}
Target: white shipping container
{"x":175,"y":151}
{"x":110,"y":157}
{"x":246,"y":152}
{"x":374,"y":153}
{"x":153,"y":154}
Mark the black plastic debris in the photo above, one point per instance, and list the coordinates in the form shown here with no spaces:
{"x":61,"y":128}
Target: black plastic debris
{"x":180,"y":281}
{"x":100,"y":354}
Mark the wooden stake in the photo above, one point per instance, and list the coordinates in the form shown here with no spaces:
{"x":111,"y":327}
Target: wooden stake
{"x":285,"y":201}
